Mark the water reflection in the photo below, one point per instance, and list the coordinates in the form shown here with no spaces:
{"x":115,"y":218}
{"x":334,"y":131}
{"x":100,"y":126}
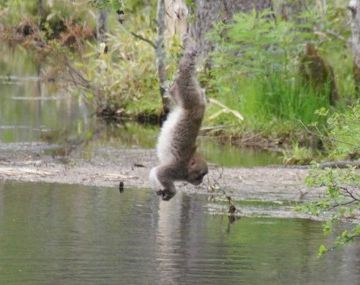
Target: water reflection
{"x":232,"y":156}
{"x":26,"y":114}
{"x":55,"y":234}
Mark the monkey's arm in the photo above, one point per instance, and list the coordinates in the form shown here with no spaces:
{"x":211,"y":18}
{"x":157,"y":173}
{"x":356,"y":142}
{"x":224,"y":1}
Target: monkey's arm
{"x":162,"y":179}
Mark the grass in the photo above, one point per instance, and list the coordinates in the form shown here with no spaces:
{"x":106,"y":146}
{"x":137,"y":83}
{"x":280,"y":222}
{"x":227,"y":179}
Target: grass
{"x":256,"y":72}
{"x":267,"y":102}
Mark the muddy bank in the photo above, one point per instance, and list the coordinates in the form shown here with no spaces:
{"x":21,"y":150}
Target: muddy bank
{"x":30,"y":162}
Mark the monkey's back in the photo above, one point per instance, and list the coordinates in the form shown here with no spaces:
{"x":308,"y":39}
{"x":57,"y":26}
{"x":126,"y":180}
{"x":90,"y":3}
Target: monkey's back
{"x":178,"y":134}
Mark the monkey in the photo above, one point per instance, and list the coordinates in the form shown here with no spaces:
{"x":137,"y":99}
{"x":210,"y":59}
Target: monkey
{"x":176,"y":146}
{"x":316,"y":72}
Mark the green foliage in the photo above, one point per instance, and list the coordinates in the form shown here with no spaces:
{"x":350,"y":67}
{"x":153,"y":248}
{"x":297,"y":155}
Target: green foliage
{"x":322,"y":249}
{"x":298,"y":155}
{"x":342,"y":186}
{"x":123,"y":76}
{"x":256,"y":45}
{"x":17,"y":10}
{"x":256,"y":66}
{"x":103,"y":4}
{"x":255,"y":69}
{"x":344,"y":134}
{"x":341,"y":201}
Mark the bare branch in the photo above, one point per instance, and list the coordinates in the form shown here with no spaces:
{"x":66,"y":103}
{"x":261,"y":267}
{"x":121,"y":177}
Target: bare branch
{"x":349,"y":193}
{"x":140,"y":37}
{"x":341,"y":204}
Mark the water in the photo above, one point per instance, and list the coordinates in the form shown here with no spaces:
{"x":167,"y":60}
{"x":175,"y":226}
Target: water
{"x":56,"y":234}
{"x":31,"y":111}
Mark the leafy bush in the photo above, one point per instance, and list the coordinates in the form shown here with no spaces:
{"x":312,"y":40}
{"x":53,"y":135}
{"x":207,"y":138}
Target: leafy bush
{"x":344,"y":134}
{"x":121,"y":77}
{"x":342,"y":195}
{"x":256,"y":65}
{"x":16,"y":10}
{"x":342,"y":200}
{"x":298,"y":155}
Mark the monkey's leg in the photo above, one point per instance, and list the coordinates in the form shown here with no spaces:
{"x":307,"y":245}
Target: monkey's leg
{"x":186,"y":90}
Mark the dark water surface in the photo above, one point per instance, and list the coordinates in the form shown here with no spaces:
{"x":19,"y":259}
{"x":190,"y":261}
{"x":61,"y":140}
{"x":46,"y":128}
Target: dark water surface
{"x":56,"y":234}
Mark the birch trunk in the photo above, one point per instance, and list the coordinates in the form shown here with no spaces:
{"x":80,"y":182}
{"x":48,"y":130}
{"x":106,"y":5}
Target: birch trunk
{"x":41,"y":8}
{"x":176,"y":17}
{"x":354,"y":7}
{"x":161,"y":54}
{"x":101,"y":25}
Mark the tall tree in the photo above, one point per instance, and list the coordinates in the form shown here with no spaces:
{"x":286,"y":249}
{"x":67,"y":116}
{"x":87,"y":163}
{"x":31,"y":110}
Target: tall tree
{"x":172,"y":18}
{"x":354,"y":7}
{"x":161,"y":53}
{"x":176,"y":17}
{"x":41,"y":8}
{"x":101,"y":25}
{"x":207,"y":13}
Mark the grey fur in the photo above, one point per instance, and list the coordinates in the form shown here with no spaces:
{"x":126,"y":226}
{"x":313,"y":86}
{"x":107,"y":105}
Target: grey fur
{"x":176,"y":147}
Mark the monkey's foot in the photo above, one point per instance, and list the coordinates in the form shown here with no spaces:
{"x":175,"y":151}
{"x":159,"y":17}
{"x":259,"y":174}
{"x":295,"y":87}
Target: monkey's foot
{"x":165,"y":195}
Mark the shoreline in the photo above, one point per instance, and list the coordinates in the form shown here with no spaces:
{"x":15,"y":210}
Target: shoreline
{"x":132,"y":166}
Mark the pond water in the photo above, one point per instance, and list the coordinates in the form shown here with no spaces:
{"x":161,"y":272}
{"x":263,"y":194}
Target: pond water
{"x":57,"y":234}
{"x":31,"y":111}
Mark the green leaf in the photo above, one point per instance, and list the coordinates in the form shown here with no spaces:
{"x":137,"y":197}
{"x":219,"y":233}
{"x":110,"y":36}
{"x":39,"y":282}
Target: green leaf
{"x":322,"y":250}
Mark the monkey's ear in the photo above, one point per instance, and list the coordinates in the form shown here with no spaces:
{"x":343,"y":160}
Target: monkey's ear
{"x":194,"y":158}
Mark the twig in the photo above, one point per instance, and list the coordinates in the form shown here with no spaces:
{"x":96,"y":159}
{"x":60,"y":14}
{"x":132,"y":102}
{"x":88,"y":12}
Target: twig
{"x":140,"y":37}
{"x":215,"y":186}
{"x":340,"y":164}
{"x":347,"y":191}
{"x":341,"y":204}
{"x":322,"y":136}
{"x":84,"y":82}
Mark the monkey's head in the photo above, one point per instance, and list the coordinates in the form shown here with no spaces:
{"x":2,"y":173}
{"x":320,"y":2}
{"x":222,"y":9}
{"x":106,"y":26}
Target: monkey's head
{"x":197,"y":169}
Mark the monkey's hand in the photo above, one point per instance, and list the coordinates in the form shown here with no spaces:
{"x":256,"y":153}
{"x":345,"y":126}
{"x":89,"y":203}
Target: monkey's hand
{"x":165,"y":194}
{"x":162,"y":183}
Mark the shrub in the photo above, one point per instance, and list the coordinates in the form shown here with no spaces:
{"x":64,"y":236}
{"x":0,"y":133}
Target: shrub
{"x":256,"y":66}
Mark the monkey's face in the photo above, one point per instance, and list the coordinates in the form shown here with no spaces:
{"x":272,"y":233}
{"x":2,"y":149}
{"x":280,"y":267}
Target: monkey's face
{"x":197,"y":169}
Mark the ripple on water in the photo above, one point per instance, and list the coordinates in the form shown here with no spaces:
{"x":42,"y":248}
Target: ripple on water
{"x":57,"y":234}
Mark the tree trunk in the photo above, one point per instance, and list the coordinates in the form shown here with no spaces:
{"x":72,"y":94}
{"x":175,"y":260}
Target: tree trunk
{"x":41,"y":8}
{"x":176,"y":17}
{"x":102,"y":25}
{"x":289,"y":9}
{"x":207,"y":13}
{"x":172,"y":19}
{"x":161,"y":54}
{"x":354,"y":7}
